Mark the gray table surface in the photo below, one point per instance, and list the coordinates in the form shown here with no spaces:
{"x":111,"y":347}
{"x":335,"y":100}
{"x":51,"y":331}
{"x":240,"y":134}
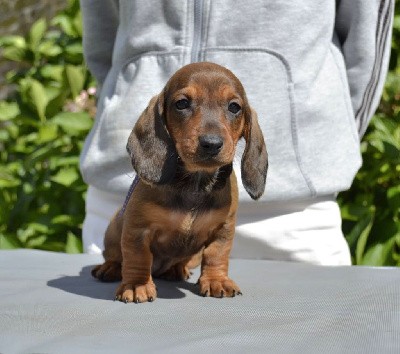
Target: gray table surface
{"x":50,"y":304}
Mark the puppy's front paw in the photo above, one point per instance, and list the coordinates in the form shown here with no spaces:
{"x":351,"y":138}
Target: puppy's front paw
{"x":136,"y":293}
{"x":218,"y":287}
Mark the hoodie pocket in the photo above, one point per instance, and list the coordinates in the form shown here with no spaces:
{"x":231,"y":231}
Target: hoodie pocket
{"x":267,"y":79}
{"x":125,"y":94}
{"x":329,"y":142}
{"x":139,"y":80}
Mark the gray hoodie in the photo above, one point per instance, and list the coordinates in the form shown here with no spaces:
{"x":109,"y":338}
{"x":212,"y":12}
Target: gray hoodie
{"x":312,"y":69}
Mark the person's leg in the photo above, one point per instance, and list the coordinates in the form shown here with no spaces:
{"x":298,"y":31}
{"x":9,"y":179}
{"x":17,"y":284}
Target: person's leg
{"x":100,"y":207}
{"x":303,"y":231}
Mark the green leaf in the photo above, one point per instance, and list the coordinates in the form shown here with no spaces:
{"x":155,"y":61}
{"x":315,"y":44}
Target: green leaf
{"x":38,"y":98}
{"x":36,"y":33}
{"x":364,"y":227}
{"x":49,"y":49}
{"x":393,"y":196}
{"x":9,"y":242}
{"x":357,"y":238}
{"x":47,"y":132}
{"x":52,"y":92}
{"x":353,"y":211}
{"x":9,"y":182}
{"x":73,"y":123}
{"x":57,"y":100}
{"x":32,"y":229}
{"x":8,"y":110}
{"x":74,"y":53}
{"x":76,"y":78}
{"x":396,"y":22}
{"x":28,"y":188}
{"x":53,"y":72}
{"x":54,"y":246}
{"x":15,"y":54}
{"x":77,"y":22}
{"x":7,"y":178}
{"x":66,"y":176}
{"x":4,"y":135}
{"x":36,"y":241}
{"x":65,"y":23}
{"x":380,"y":254}
{"x":353,"y":236}
{"x":13,"y":41}
{"x":63,"y":220}
{"x":74,"y":244}
{"x":58,"y":161}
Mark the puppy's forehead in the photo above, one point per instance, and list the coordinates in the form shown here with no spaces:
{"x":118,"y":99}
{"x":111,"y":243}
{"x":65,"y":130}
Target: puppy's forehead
{"x":205,"y":78}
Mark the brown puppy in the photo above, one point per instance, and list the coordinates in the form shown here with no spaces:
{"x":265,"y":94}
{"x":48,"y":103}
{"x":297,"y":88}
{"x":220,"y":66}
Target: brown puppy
{"x":183,"y":208}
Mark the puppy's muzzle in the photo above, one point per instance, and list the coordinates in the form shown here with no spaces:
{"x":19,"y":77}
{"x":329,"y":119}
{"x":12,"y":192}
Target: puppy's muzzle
{"x":210,"y":145}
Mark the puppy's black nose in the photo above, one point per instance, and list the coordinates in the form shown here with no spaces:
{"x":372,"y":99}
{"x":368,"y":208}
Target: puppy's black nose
{"x":211,"y":144}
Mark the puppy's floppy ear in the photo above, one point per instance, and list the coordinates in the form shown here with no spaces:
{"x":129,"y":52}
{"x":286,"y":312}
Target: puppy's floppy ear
{"x":150,"y":146}
{"x":255,"y":158}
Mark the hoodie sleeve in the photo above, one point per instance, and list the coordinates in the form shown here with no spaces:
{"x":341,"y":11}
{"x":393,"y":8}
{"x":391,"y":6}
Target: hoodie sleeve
{"x":100,"y":24}
{"x":364,"y":29}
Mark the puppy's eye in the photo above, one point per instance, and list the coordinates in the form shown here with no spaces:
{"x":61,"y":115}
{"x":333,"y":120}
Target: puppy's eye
{"x":182,"y":104}
{"x":234,"y":107}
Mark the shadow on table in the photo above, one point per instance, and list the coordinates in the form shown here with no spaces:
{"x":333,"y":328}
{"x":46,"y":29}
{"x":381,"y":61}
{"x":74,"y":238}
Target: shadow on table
{"x":85,"y":285}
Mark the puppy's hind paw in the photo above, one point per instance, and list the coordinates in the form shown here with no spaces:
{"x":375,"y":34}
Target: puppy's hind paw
{"x":109,"y":271}
{"x":177,"y":272}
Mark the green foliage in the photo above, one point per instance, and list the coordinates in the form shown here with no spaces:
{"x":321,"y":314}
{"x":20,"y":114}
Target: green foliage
{"x":371,"y":208}
{"x":42,"y":128}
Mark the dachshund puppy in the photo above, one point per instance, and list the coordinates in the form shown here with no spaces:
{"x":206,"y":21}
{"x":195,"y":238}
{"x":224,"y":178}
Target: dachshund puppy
{"x":182,"y":210}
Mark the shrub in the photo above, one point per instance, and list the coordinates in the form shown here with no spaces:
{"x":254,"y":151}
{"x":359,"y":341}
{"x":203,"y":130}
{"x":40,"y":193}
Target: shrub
{"x":371,"y":208}
{"x":42,"y":128}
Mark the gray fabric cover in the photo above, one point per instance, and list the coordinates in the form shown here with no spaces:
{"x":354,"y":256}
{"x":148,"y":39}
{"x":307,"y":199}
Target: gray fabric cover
{"x":51,"y":304}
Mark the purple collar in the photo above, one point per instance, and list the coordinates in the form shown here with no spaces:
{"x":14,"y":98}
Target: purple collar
{"x":128,"y":196}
